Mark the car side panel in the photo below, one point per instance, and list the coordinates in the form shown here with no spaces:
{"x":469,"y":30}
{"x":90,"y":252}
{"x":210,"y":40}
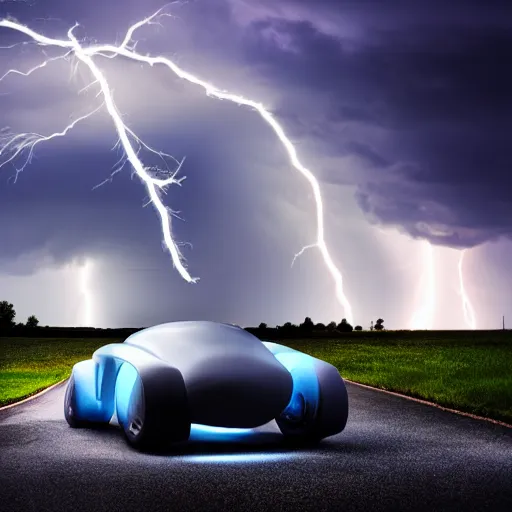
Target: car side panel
{"x":86,"y":404}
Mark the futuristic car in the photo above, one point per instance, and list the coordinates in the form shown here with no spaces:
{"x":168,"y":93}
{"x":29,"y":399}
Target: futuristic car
{"x":163,"y":379}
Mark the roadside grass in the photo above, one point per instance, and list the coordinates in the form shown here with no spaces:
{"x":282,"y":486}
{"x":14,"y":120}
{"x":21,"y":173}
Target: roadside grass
{"x":467,"y":371}
{"x":28,"y":365}
{"x":471,"y":373}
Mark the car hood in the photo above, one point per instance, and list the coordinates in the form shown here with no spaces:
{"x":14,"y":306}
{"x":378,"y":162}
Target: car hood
{"x":231,"y":378}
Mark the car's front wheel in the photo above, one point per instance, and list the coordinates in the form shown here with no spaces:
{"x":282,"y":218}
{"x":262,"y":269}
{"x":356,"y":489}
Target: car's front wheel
{"x":152,"y":410}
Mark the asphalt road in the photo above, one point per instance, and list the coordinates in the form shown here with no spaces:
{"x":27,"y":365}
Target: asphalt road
{"x":395,"y":454}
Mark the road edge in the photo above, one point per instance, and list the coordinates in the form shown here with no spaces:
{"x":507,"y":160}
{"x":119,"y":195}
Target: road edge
{"x":32,"y":397}
{"x":432,"y":404}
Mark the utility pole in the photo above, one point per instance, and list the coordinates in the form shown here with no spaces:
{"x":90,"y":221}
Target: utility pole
{"x":503,"y":322}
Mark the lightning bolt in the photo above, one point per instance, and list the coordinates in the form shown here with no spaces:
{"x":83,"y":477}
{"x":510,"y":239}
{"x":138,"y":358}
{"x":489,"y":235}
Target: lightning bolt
{"x":423,"y":318}
{"x":469,"y":312}
{"x":85,"y":276}
{"x":131,"y":144}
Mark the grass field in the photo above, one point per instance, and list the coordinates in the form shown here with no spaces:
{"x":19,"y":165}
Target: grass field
{"x":470,"y":372}
{"x":467,"y":371}
{"x":28,"y":365}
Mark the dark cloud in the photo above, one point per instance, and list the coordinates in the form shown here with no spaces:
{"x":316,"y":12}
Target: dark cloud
{"x":435,"y":84}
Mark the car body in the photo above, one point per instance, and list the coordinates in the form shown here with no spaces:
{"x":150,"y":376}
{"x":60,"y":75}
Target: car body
{"x":163,"y":379}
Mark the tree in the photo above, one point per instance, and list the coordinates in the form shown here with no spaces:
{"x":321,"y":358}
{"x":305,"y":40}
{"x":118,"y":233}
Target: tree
{"x":358,"y":328}
{"x":371,"y":326}
{"x":344,"y":326}
{"x":7,"y":314}
{"x":331,"y":326}
{"x":262,"y":326}
{"x":379,"y":325}
{"x":307,"y":325}
{"x":32,"y":321}
{"x":320,"y":327}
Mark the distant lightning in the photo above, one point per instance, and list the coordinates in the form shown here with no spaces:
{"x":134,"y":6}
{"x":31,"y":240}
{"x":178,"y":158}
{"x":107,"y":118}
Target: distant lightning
{"x":423,"y":318}
{"x":469,"y":312}
{"x":85,"y":278}
{"x":132,"y":144}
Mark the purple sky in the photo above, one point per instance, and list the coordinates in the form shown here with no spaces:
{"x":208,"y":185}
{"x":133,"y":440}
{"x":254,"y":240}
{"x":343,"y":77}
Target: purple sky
{"x":401,"y":109}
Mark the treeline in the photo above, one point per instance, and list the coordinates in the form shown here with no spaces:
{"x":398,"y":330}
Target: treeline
{"x":309,"y":327}
{"x":32,"y":329}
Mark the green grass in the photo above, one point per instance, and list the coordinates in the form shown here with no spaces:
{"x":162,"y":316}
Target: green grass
{"x":28,"y":365}
{"x":467,"y":372}
{"x":470,"y":372}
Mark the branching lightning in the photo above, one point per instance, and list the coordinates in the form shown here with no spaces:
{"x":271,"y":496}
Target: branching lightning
{"x":469,"y":312}
{"x":14,"y":145}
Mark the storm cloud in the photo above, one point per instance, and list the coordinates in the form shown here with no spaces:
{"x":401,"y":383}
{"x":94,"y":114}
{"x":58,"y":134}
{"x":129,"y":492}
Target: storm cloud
{"x":402,"y":110}
{"x":419,"y":93}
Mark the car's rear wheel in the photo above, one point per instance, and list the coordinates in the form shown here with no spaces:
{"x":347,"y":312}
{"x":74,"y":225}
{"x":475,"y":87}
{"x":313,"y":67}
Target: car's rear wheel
{"x":299,"y":421}
{"x":319,"y":404}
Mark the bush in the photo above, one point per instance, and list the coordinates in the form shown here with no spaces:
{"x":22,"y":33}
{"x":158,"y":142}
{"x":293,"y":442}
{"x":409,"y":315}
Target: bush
{"x":379,"y":325}
{"x":32,"y":321}
{"x":344,"y":326}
